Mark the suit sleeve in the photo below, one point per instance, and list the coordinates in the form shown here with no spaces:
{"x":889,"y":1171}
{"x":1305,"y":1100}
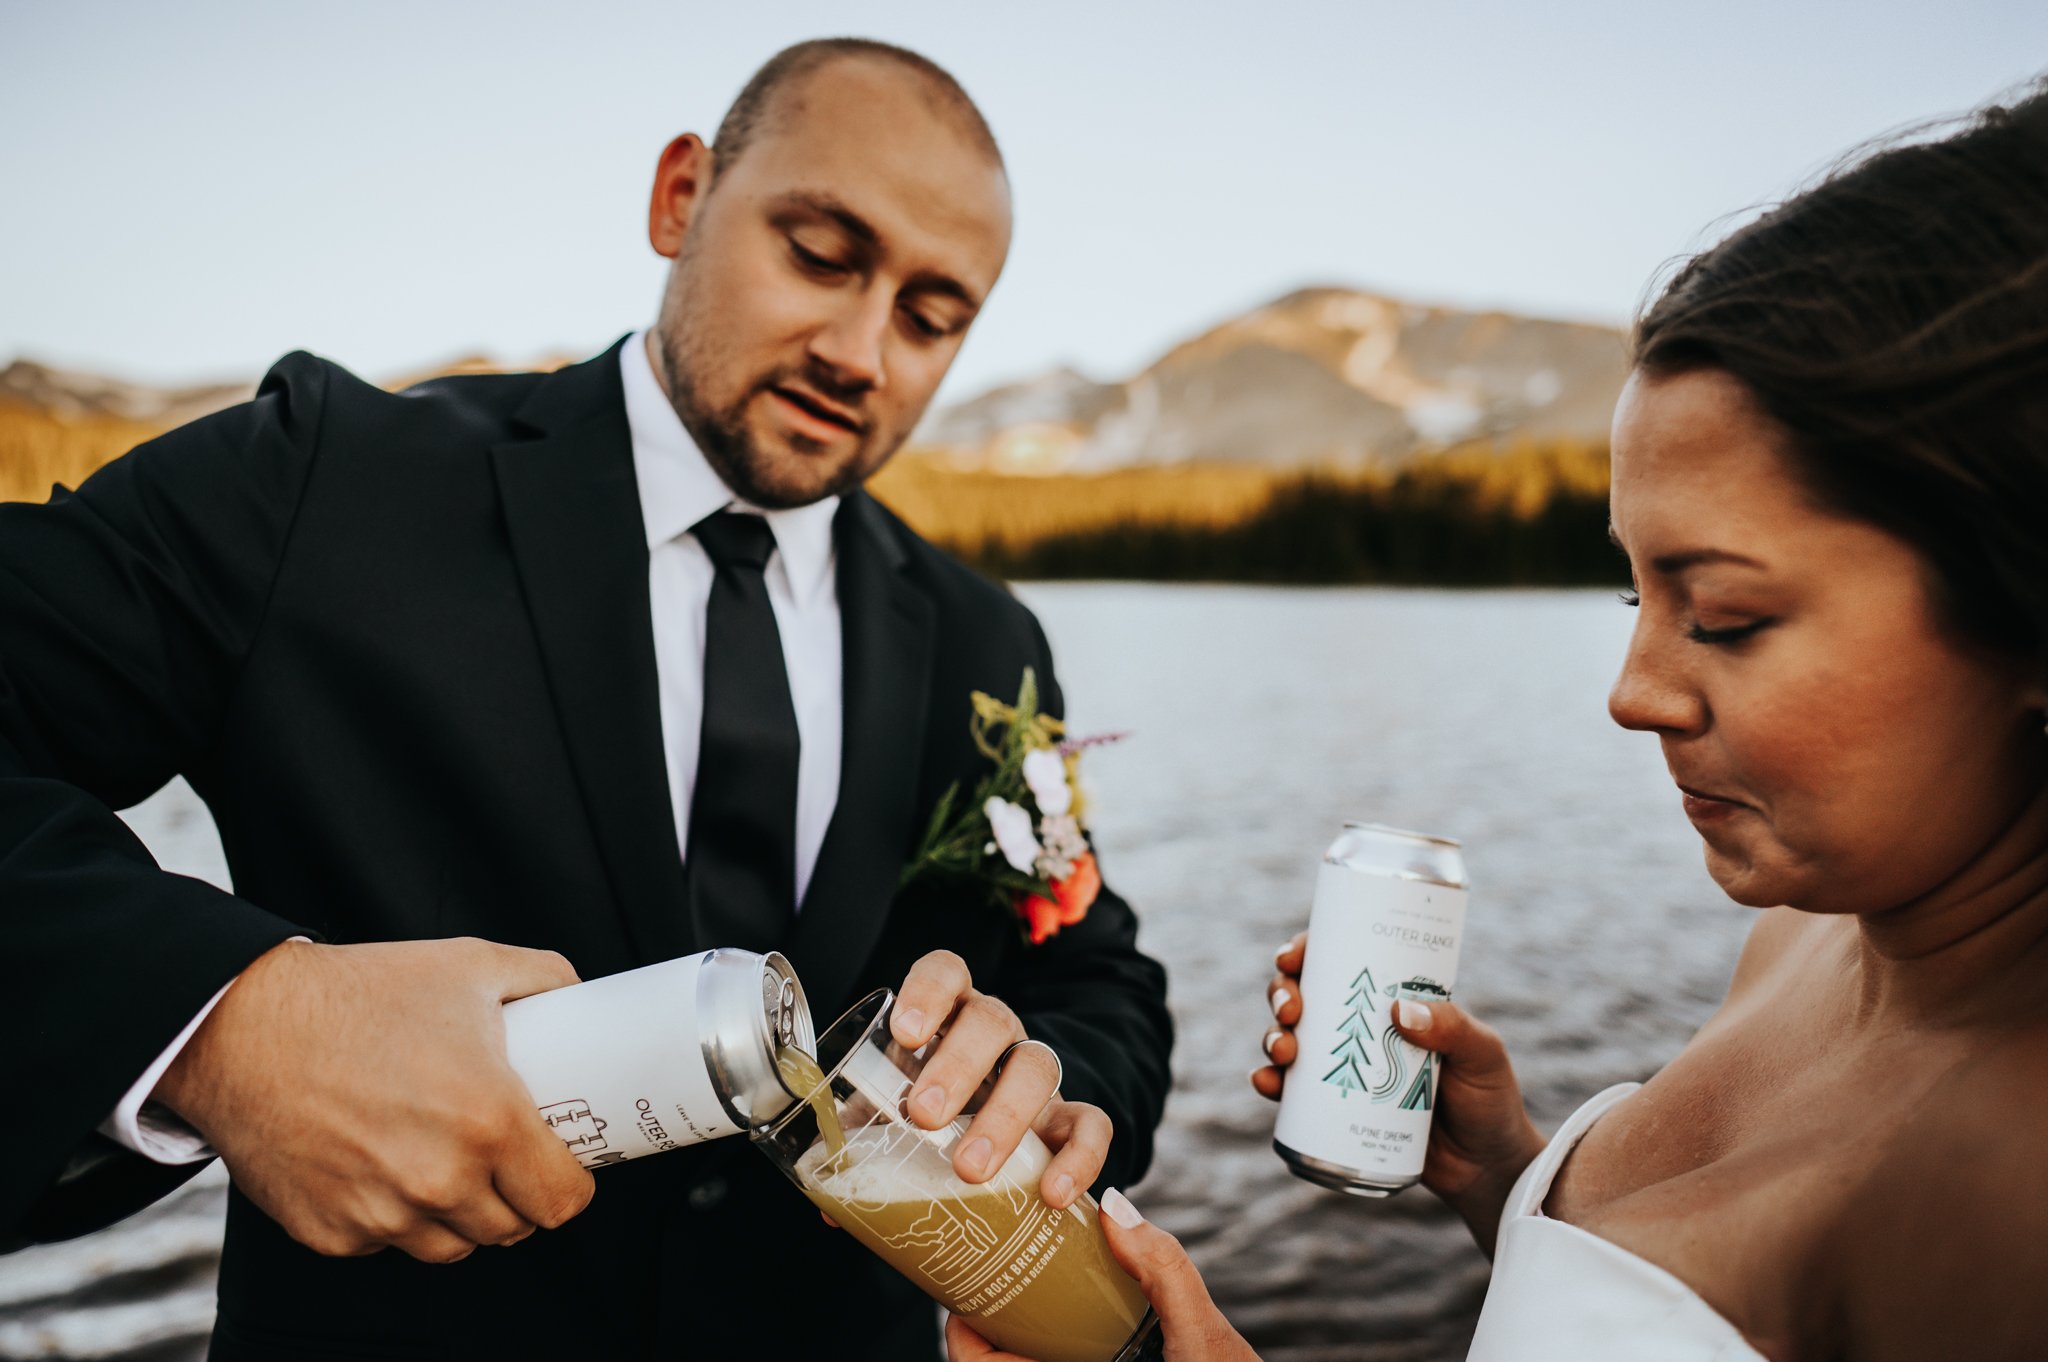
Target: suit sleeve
{"x":126,"y":610}
{"x":1100,"y":1002}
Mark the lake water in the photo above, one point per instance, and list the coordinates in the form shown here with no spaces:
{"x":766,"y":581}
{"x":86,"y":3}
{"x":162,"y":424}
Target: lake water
{"x":1261,"y":719}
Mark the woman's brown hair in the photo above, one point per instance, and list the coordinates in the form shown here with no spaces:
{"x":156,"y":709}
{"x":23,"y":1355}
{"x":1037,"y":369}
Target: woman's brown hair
{"x":1894,"y":319}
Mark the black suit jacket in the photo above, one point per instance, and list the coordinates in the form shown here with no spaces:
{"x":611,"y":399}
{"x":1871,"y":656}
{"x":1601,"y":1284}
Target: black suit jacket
{"x":401,"y":646}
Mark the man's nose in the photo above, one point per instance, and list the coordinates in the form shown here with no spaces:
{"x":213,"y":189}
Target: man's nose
{"x":1652,"y":694}
{"x":852,"y":341}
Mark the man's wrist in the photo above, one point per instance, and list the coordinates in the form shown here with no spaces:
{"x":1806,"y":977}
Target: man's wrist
{"x":191,"y":1078}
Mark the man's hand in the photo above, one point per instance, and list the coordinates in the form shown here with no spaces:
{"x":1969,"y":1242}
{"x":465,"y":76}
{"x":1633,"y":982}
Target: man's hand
{"x":360,"y":1096}
{"x":938,"y":998}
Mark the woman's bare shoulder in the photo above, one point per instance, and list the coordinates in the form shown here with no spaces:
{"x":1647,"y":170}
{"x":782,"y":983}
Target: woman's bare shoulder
{"x":1947,"y":1247}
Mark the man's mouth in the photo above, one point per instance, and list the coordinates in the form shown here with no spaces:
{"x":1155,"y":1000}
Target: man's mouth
{"x":813,"y":405}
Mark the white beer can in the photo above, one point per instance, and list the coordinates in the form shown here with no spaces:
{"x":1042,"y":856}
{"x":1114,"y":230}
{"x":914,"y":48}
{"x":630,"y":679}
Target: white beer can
{"x":1388,"y":917}
{"x":663,"y":1056}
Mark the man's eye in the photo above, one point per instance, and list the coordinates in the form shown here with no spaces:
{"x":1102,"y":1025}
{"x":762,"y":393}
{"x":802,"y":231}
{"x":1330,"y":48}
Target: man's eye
{"x":812,"y":261}
{"x":923,"y":325}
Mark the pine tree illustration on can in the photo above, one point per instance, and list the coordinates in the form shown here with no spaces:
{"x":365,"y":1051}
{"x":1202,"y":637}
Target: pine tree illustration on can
{"x":1386,"y":925}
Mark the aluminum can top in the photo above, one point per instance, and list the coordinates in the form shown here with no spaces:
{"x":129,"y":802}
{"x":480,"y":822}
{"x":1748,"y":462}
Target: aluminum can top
{"x":1376,"y":849}
{"x":748,"y":1008}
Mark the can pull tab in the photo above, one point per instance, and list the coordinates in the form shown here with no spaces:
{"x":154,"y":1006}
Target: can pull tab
{"x":785,"y":1015}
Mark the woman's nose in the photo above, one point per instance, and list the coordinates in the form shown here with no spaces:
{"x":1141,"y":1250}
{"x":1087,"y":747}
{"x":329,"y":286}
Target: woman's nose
{"x":1652,"y":694}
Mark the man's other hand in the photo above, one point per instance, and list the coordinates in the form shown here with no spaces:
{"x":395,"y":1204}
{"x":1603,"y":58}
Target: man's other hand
{"x":360,"y":1096}
{"x":976,"y":1032}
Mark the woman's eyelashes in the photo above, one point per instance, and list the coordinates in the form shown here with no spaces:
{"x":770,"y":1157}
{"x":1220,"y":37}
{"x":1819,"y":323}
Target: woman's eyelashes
{"x":1699,"y":633}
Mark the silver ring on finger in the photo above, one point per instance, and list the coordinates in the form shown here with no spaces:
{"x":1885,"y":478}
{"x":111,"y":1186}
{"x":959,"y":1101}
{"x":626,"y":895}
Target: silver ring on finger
{"x":1059,"y":1070}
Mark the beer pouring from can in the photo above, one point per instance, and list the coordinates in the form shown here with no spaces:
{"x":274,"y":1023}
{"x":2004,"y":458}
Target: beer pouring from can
{"x":1030,"y":1279}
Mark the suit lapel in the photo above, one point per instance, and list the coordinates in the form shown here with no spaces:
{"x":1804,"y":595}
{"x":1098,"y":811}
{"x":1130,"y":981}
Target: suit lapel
{"x":572,"y":509}
{"x":887,"y":624}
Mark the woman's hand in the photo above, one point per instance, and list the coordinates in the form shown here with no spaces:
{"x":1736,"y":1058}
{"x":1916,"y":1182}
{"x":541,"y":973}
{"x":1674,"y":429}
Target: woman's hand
{"x":1482,"y":1137}
{"x":1193,"y":1329}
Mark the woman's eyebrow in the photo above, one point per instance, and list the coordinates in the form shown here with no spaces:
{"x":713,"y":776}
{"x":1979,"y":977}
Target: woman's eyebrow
{"x":1671,"y":563}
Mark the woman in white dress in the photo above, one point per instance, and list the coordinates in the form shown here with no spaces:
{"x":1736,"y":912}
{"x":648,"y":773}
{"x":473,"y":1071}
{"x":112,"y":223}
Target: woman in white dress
{"x":1831,"y":483}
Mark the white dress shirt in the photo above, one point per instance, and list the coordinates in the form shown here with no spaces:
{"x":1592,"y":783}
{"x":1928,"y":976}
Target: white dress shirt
{"x":677,"y":489}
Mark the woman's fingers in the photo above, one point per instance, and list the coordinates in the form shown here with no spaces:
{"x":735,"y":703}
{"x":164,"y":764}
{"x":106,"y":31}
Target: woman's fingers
{"x":1466,"y":1043}
{"x":1283,"y":1000}
{"x":1289,"y":957}
{"x":1194,"y":1329}
{"x":1283,"y":996}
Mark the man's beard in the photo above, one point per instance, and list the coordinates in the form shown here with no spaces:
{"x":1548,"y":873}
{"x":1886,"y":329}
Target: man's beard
{"x":740,"y":462}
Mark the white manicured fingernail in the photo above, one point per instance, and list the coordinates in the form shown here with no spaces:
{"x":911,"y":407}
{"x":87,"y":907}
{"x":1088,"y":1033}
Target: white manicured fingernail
{"x":1281,"y":953}
{"x":910,"y":1022}
{"x":1272,"y":1039}
{"x":1118,"y":1207}
{"x":1281,"y":997}
{"x":1414,"y":1016}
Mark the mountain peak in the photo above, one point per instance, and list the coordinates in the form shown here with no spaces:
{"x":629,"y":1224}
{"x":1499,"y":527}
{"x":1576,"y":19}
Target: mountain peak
{"x":1319,"y":375}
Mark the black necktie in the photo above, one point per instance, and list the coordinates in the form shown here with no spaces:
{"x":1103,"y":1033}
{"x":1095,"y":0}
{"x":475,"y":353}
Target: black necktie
{"x":742,"y":859}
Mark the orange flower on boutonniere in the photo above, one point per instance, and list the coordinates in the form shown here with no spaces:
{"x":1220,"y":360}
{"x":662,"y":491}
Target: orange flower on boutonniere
{"x":1071,"y":899}
{"x":1019,"y":835}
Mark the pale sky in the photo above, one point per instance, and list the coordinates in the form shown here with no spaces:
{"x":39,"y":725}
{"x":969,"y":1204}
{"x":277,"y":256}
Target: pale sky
{"x":194,"y":188}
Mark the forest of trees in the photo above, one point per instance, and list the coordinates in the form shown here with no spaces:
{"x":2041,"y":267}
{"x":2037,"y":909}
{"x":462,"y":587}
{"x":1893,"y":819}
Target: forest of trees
{"x":1526,"y":515}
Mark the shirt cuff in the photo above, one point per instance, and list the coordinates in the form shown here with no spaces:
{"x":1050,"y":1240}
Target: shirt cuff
{"x":149,"y":1127}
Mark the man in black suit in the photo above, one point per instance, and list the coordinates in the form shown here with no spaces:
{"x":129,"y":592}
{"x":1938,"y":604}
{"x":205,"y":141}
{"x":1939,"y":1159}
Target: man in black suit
{"x":605,"y":667}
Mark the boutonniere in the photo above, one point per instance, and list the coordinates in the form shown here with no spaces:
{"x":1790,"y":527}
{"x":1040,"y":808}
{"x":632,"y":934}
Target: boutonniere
{"x":1019,"y":835}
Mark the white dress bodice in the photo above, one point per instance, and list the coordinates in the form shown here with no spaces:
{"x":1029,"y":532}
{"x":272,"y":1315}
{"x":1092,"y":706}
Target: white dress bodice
{"x":1560,"y":1294}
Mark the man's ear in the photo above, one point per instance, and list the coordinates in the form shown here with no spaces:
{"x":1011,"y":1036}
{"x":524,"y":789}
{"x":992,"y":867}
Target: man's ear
{"x":681,"y":180}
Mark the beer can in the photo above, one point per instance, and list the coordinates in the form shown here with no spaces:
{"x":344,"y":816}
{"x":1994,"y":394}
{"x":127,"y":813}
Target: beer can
{"x":663,"y":1056}
{"x":1388,"y":916}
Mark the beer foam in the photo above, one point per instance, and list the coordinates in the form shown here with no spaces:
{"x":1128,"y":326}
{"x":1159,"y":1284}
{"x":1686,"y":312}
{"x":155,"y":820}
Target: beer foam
{"x":883,"y":1165}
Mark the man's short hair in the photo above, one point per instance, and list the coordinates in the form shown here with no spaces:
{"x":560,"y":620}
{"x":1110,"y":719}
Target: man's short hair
{"x":756,"y":106}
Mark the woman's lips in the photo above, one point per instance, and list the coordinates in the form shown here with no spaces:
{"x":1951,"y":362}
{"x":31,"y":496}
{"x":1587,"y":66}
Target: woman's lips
{"x":1702,"y":807}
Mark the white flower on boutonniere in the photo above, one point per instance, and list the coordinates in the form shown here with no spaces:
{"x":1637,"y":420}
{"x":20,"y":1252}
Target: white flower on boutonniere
{"x":1045,"y":771}
{"x":1011,"y":824}
{"x":1045,"y":876}
{"x":1064,"y":844}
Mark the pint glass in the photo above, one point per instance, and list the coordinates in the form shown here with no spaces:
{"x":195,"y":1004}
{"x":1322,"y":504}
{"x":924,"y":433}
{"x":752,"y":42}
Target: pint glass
{"x":1030,"y":1279}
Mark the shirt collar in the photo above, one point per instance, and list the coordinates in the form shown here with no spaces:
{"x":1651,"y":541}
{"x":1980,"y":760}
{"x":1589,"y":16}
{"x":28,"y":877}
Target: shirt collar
{"x":678,"y":487}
